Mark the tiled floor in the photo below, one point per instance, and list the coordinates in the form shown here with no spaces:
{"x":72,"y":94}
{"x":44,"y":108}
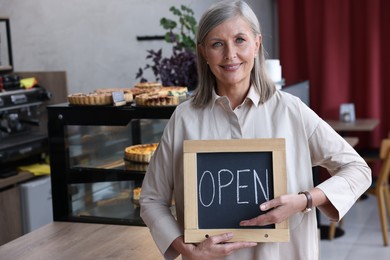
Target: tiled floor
{"x":363,"y":236}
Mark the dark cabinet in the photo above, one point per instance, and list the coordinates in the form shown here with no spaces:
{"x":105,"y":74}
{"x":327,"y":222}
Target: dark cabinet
{"x":91,"y":181}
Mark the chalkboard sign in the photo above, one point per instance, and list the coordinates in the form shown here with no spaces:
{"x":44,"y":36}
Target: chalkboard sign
{"x":233,"y":182}
{"x":225,"y":181}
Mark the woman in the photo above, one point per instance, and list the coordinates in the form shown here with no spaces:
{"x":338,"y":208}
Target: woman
{"x":236,"y":99}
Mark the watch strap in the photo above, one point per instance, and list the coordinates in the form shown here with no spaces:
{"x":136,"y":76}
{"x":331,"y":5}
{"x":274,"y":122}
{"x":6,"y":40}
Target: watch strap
{"x":309,"y":204}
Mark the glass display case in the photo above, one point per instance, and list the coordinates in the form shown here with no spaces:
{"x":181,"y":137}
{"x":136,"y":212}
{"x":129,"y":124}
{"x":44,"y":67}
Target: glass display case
{"x":91,"y":181}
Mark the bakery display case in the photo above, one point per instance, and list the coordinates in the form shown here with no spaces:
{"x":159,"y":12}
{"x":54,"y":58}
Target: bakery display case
{"x":91,"y":180}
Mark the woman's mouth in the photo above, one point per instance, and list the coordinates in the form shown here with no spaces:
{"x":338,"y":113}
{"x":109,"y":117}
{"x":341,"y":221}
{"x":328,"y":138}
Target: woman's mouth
{"x":231,"y":67}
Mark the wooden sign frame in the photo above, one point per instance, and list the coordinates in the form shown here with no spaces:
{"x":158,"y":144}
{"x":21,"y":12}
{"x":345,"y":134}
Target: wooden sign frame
{"x":192,"y":232}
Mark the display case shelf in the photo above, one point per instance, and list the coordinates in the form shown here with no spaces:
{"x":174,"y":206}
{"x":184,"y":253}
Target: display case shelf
{"x":91,"y":181}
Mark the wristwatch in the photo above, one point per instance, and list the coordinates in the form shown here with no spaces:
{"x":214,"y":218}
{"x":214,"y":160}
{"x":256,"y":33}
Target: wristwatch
{"x":309,"y":204}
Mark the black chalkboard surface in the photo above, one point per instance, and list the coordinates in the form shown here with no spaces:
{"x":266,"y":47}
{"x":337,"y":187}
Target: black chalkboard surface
{"x":232,"y":187}
{"x":225,"y":181}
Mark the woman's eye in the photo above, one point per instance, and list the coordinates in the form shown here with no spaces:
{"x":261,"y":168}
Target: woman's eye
{"x":217,"y":44}
{"x":240,"y":40}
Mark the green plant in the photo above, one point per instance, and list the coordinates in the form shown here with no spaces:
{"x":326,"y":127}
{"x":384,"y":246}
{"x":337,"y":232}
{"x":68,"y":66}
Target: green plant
{"x":184,"y":34}
{"x":180,"y":68}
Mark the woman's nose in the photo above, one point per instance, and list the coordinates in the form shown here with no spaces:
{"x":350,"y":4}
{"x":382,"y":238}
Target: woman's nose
{"x":230,"y":52}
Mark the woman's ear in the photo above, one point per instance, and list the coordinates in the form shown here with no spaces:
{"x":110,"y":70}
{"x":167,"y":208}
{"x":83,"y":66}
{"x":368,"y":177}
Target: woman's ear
{"x":258,"y":43}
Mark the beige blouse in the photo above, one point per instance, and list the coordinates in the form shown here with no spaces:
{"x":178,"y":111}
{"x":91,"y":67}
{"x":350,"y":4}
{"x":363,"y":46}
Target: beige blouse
{"x":310,"y":141}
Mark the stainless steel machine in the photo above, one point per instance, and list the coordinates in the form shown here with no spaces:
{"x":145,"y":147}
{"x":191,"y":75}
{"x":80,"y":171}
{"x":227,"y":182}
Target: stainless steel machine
{"x":23,"y":134}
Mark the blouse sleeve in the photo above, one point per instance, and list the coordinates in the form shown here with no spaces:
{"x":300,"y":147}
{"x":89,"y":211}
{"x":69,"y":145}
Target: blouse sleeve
{"x":350,"y":174}
{"x":156,"y":195}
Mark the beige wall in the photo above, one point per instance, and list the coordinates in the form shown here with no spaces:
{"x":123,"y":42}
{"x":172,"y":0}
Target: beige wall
{"x":94,"y":41}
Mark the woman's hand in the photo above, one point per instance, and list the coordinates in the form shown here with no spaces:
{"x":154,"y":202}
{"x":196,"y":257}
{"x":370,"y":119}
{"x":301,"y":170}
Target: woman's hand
{"x":279,"y":208}
{"x":211,"y":248}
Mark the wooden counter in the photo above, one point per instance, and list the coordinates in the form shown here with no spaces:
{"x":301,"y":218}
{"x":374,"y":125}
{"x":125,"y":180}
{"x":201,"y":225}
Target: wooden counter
{"x":10,"y":206}
{"x":18,"y":178}
{"x":69,"y":240}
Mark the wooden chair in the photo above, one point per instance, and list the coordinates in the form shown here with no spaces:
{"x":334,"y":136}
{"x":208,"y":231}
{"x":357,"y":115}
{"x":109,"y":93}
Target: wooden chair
{"x":333,"y":227}
{"x":380,"y":188}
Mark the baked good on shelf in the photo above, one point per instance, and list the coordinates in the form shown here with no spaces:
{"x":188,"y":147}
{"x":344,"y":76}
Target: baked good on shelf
{"x":110,"y":90}
{"x":140,"y":152}
{"x":127,"y":92}
{"x":156,"y":99}
{"x":118,"y":199}
{"x":99,"y":97}
{"x":165,"y":96}
{"x":140,"y":91}
{"x":75,"y":98}
{"x":174,"y":90}
{"x":90,"y":99}
{"x":135,"y":166}
{"x":148,"y":85}
{"x":136,"y":195}
{"x":128,"y":97}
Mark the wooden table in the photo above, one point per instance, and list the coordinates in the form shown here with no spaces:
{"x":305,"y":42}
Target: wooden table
{"x":365,"y":125}
{"x":69,"y":240}
{"x":353,"y":141}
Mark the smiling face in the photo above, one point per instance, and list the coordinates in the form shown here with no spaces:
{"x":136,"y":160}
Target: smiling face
{"x":230,"y":49}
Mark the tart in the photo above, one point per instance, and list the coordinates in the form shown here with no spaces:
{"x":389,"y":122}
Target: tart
{"x":140,"y":153}
{"x":148,"y":85}
{"x":99,"y":97}
{"x":136,"y":195}
{"x":128,"y":97}
{"x":156,"y":99}
{"x":75,"y":98}
{"x":140,"y":91}
{"x":174,"y":91}
{"x":127,"y":92}
{"x":90,"y":99}
{"x":164,"y":96}
{"x":136,"y":166}
{"x":110,"y":90}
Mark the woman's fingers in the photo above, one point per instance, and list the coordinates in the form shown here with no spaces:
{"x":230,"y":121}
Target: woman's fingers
{"x":277,"y":209}
{"x":218,"y":246}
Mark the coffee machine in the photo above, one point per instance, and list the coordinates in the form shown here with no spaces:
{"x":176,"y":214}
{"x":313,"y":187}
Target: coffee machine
{"x":23,"y":134}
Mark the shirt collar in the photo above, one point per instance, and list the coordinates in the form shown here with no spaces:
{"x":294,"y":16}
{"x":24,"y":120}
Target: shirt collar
{"x":252,"y":96}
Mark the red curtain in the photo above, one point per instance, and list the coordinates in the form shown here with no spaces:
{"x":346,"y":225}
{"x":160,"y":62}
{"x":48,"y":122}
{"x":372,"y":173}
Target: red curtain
{"x":343,"y":48}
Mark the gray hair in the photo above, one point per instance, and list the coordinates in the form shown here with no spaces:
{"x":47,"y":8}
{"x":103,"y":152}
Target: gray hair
{"x":214,"y":16}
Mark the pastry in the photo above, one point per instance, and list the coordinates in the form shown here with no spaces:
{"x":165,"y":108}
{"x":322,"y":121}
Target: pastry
{"x":75,"y":98}
{"x":164,"y":96}
{"x":110,"y":90}
{"x":99,"y":97}
{"x":136,"y":195}
{"x":156,"y":99}
{"x":140,"y":91}
{"x":148,"y":85}
{"x":127,"y":92}
{"x":135,"y":166}
{"x":174,"y":91}
{"x":90,"y":99}
{"x":140,"y":152}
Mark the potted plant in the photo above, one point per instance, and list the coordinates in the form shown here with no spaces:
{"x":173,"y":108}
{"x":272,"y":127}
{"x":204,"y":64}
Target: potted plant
{"x":180,"y":68}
